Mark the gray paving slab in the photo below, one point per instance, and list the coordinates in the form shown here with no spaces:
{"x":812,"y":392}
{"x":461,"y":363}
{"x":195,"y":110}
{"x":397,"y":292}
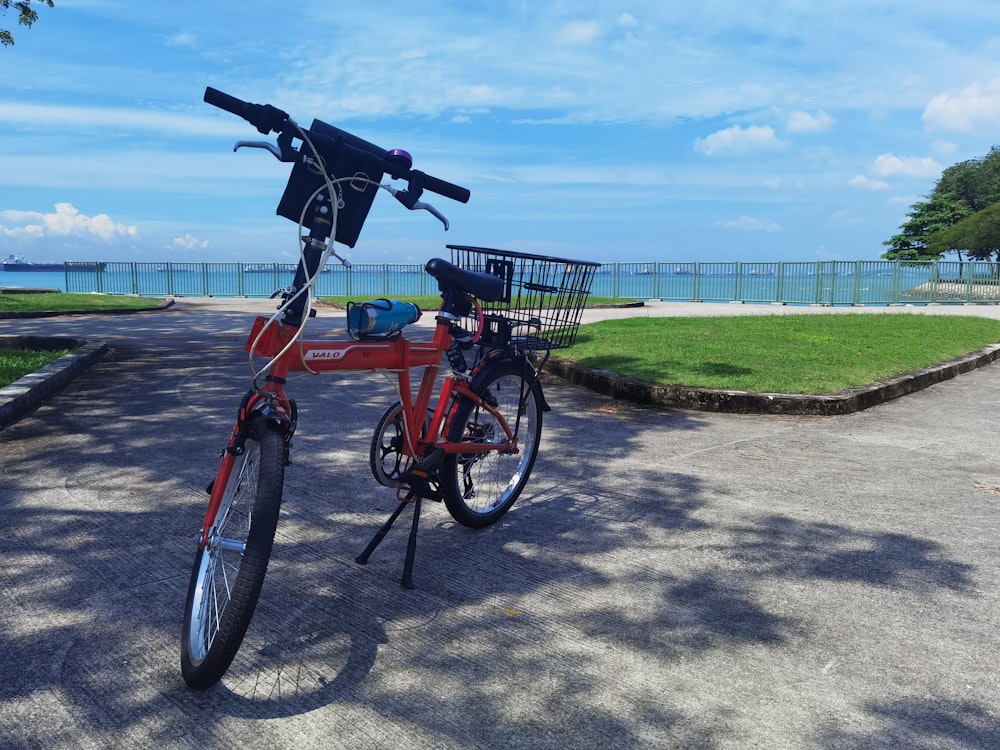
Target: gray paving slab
{"x":670,"y":578}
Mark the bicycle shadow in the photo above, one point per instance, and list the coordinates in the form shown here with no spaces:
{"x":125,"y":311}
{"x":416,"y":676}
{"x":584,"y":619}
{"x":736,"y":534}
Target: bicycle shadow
{"x":306,"y":648}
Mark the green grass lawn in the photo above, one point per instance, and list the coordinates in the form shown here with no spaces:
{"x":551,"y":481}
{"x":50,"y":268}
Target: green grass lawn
{"x":62,"y":302}
{"x":16,"y":363}
{"x":778,"y":353}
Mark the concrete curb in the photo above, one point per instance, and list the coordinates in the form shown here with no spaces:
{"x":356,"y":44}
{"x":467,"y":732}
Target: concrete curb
{"x":58,"y":313}
{"x":748,"y":402}
{"x":23,"y":396}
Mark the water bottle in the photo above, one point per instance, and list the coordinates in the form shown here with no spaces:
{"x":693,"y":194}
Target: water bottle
{"x":380,"y":318}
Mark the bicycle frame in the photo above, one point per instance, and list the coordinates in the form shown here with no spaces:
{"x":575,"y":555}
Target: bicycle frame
{"x":397,"y":355}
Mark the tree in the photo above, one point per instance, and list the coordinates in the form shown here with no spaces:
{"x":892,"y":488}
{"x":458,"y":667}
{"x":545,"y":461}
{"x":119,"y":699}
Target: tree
{"x":962,"y":190}
{"x":976,"y":182}
{"x":26,"y":15}
{"x":939,"y":211}
{"x":978,"y":235}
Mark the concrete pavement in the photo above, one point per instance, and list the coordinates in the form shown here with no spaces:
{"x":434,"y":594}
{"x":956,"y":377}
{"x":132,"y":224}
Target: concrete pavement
{"x":670,"y":578}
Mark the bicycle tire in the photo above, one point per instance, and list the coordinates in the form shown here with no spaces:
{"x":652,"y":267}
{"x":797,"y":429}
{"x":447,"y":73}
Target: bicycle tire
{"x":229,"y":570}
{"x":479,"y":488}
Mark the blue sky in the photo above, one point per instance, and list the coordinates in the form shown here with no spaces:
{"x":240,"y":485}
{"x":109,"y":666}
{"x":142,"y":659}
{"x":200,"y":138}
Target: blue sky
{"x":646,"y":130}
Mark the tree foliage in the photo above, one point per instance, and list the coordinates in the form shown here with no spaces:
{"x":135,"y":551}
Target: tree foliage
{"x":26,"y":16}
{"x":939,"y":211}
{"x":962,"y":190}
{"x":977,"y":235}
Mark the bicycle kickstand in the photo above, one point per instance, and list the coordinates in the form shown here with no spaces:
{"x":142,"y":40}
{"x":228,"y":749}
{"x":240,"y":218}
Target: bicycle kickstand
{"x":418,"y":482}
{"x":411,"y":544}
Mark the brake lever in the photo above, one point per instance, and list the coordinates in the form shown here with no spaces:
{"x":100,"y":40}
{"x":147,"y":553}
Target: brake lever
{"x":282,"y":152}
{"x":431,"y":209}
{"x":404,"y":197}
{"x":259,"y":144}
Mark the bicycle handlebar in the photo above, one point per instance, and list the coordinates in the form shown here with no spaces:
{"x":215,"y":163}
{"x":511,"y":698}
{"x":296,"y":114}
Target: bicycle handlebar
{"x":264,"y":117}
{"x":267,"y":118}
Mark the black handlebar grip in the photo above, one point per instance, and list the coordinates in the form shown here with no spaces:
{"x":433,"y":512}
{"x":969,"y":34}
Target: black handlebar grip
{"x":224,"y":101}
{"x":447,"y":189}
{"x":264,"y":117}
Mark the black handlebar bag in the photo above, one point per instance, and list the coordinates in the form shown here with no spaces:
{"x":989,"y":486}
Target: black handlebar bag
{"x":345,"y":155}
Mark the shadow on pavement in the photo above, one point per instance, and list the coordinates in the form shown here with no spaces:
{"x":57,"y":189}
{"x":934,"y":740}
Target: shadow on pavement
{"x":634,"y":596}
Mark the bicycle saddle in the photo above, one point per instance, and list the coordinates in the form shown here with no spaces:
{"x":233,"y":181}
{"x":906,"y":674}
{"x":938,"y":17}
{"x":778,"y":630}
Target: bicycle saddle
{"x":485,"y":286}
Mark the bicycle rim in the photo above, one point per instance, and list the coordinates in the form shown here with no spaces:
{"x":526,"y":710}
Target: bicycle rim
{"x":229,"y":570}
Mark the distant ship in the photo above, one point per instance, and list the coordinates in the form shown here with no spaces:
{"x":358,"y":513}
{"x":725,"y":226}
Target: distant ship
{"x":16,"y":263}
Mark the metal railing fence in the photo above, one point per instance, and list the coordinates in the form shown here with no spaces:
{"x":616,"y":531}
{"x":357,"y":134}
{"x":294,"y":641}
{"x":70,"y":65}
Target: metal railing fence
{"x":793,"y":283}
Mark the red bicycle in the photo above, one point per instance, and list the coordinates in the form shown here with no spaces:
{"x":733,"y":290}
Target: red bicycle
{"x":471,"y":442}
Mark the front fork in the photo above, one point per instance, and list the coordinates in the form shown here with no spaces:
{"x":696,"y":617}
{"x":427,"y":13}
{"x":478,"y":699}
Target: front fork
{"x":256,"y":404}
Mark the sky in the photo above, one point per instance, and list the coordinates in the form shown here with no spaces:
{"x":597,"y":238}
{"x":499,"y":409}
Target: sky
{"x":641,"y":130}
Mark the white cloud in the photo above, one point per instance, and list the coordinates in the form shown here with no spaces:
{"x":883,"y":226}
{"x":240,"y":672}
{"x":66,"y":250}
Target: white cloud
{"x":888,"y":165}
{"x":177,"y":171}
{"x":738,"y":140}
{"x":183,"y":39}
{"x":750,"y":224}
{"x":578,"y":32}
{"x":803,"y":122}
{"x":187,"y":242}
{"x":944,"y":148}
{"x":56,"y":116}
{"x":65,"y":221}
{"x":844,"y":218}
{"x":976,"y":108}
{"x":860,"y":181}
{"x":661,"y":62}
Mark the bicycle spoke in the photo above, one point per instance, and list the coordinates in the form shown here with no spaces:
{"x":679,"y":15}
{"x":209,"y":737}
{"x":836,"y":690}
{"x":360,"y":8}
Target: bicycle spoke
{"x":480,"y":487}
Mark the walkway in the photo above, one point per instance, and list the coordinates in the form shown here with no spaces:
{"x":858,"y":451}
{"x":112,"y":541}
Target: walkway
{"x":670,"y":578}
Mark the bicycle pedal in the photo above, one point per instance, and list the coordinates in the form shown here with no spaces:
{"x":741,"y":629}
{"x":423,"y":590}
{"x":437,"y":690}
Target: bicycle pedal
{"x":417,"y":483}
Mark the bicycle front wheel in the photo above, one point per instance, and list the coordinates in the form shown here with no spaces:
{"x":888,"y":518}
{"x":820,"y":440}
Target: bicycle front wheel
{"x":480,"y":487}
{"x":229,"y":569}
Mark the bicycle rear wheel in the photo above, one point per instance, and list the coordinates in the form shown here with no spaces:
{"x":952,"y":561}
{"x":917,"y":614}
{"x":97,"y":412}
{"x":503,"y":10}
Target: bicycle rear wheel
{"x":229,"y":570}
{"x":480,"y":487}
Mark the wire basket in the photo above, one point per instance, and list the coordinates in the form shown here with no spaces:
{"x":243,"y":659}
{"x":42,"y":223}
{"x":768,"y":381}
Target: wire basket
{"x":544,"y":296}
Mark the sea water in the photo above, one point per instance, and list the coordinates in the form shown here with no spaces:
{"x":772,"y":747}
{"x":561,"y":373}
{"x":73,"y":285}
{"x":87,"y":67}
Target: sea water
{"x":828,"y":283}
{"x":34,"y":280}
